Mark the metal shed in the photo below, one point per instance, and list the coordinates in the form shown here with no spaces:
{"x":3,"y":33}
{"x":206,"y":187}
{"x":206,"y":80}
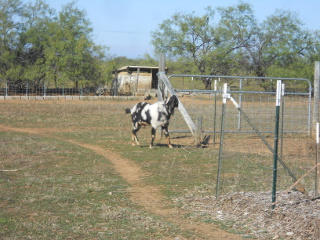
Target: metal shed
{"x":135,"y":80}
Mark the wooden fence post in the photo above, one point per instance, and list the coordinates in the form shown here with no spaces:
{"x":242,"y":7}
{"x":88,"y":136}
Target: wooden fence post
{"x":317,"y":170}
{"x":165,"y":86}
{"x":162,"y":69}
{"x":198,"y":132}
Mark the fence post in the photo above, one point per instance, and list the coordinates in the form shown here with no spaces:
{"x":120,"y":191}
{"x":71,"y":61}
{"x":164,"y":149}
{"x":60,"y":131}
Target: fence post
{"x":162,"y":68}
{"x":282,"y":118}
{"x":137,"y":83}
{"x":165,"y":83}
{"x":44,"y":89}
{"x":276,"y":138}
{"x":240,"y":105}
{"x":198,"y":133}
{"x":224,"y":103}
{"x":315,"y":117}
{"x":215,"y":112}
{"x":27,"y":86}
{"x":317,"y":170}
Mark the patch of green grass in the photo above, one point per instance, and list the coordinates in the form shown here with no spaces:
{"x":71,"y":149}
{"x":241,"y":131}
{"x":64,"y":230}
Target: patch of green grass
{"x":59,"y":191}
{"x":56,"y":190}
{"x":173,"y":169}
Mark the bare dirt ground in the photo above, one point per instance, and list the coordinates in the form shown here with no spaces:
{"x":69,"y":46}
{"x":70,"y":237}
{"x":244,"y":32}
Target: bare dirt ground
{"x":145,"y":195}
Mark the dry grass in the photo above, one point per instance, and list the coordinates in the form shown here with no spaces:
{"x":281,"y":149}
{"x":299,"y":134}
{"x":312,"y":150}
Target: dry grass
{"x":295,"y":217}
{"x":53,"y":189}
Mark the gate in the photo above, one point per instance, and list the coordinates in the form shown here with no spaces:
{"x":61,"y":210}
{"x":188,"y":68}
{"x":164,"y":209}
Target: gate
{"x":201,"y":97}
{"x":201,"y":94}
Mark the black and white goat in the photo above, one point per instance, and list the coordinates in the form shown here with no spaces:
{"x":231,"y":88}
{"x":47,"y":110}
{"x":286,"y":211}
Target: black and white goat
{"x":157,"y":115}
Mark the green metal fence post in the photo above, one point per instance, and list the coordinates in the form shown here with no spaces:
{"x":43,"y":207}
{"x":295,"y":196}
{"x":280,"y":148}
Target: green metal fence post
{"x":276,"y":138}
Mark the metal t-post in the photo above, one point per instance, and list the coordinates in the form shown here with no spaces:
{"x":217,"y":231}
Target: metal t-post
{"x":224,"y":103}
{"x":276,"y":139}
{"x":215,"y":112}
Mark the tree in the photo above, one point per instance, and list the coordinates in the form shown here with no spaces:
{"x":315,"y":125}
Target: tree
{"x":236,"y":29}
{"x":211,"y":46}
{"x":32,"y":42}
{"x":39,"y":46}
{"x":237,"y":43}
{"x":314,"y":52}
{"x":70,"y":53}
{"x":10,"y":11}
{"x":279,"y":40}
{"x":187,"y":36}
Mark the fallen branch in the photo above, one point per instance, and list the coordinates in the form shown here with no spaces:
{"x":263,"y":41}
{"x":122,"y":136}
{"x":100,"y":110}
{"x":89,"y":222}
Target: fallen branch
{"x":297,"y":182}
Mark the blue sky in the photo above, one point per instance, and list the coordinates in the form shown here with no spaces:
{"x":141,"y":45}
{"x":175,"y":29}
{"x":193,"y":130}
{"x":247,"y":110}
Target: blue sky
{"x":125,"y":25}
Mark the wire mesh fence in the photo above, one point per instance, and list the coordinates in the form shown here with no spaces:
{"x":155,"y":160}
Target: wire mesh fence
{"x":258,"y":104}
{"x":247,"y":162}
{"x":26,"y":89}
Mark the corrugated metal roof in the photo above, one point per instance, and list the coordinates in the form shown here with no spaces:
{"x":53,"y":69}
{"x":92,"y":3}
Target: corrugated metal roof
{"x":129,"y":67}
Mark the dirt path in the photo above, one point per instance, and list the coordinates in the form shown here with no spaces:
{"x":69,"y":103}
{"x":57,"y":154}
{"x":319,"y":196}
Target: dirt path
{"x":145,"y":195}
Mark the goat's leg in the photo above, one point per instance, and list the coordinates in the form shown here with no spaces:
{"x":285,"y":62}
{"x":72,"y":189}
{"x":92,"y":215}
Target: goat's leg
{"x":153,"y":135}
{"x":166,"y":133}
{"x":134,"y":136}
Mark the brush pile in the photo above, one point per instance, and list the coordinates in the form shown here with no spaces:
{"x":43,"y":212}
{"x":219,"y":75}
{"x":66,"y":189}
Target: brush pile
{"x":249,"y":214}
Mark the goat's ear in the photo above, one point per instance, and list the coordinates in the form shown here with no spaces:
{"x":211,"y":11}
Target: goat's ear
{"x":175,"y":100}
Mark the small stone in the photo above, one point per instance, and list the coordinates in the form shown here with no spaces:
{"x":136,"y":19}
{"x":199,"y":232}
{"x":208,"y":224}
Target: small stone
{"x":290,"y":233}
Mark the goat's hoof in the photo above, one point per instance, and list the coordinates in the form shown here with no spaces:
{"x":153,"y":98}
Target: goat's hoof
{"x":151,"y":147}
{"x":170,"y":146}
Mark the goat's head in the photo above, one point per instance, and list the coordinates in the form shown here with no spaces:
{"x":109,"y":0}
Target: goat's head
{"x":172,"y":103}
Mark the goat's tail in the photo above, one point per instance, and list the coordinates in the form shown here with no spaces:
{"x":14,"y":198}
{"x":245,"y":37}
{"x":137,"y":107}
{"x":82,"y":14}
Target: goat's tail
{"x":128,"y":110}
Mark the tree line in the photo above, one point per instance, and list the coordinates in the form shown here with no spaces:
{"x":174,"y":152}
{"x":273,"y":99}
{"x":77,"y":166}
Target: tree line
{"x":231,"y":41}
{"x":39,"y":45}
